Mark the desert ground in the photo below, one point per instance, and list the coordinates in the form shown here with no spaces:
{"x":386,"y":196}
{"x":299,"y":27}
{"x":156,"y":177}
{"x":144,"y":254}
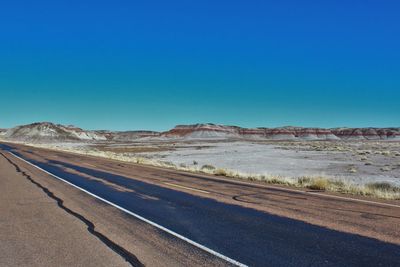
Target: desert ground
{"x":357,"y":166}
{"x":360,"y":163}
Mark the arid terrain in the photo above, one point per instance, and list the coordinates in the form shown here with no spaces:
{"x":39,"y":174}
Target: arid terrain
{"x":362,"y":161}
{"x":199,"y":198}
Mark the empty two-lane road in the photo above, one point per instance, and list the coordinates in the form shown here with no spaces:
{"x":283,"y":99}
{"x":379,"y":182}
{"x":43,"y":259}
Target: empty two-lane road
{"x":253,"y":225}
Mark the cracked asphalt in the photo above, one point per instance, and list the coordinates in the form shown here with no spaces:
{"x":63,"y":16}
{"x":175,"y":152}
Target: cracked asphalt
{"x":35,"y":231}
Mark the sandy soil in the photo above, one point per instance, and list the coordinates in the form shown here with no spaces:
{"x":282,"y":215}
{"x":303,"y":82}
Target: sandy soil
{"x":359,"y":163}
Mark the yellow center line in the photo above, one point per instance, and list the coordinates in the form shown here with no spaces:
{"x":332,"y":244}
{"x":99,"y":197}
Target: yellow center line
{"x":188,"y":188}
{"x":90,"y":165}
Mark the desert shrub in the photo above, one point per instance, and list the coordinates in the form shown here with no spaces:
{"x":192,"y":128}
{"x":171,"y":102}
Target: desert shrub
{"x":304,"y":181}
{"x":277,"y":180}
{"x":353,"y":170}
{"x":168,"y":164}
{"x":139,"y":160}
{"x":220,"y":172}
{"x":252,"y":178}
{"x":318,"y":184}
{"x":383,"y":186}
{"x":385,"y":169}
{"x":208,"y":167}
{"x":338,"y":185}
{"x":263,"y":178}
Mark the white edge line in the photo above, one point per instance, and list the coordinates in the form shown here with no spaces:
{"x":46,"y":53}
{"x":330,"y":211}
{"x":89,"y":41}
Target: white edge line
{"x":141,"y":218}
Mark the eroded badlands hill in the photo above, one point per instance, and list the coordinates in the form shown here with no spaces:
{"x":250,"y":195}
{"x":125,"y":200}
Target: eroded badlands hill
{"x":283,"y":133}
{"x":50,"y":132}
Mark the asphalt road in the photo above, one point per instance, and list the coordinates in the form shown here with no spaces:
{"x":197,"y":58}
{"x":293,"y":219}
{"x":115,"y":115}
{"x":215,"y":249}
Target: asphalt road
{"x":31,"y":232}
{"x":252,"y":224}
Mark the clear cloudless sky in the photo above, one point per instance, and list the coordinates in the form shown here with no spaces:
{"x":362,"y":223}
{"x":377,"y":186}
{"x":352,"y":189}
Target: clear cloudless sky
{"x":127,"y":64}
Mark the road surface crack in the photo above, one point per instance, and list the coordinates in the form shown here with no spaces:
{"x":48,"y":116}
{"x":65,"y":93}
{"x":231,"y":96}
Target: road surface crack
{"x":239,"y":198}
{"x":129,"y":257}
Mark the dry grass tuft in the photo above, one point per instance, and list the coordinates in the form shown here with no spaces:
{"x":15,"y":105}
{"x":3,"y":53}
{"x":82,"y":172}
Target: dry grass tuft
{"x":304,"y":181}
{"x":386,"y":169}
{"x":382,"y":190}
{"x":353,"y":170}
{"x":208,"y":167}
{"x":220,"y":172}
{"x":319,"y":184}
{"x":383,"y":186}
{"x":314,"y":183}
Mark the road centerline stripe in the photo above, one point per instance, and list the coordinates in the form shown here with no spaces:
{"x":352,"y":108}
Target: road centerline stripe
{"x":187,"y":188}
{"x":194,"y":243}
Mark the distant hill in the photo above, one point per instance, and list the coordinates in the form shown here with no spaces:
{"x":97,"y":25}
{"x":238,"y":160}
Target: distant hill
{"x":126,"y":135}
{"x":42,"y":132}
{"x":209,"y":130}
{"x":50,"y":132}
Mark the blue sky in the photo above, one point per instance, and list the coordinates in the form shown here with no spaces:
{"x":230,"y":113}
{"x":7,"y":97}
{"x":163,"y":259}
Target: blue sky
{"x":154,"y":64}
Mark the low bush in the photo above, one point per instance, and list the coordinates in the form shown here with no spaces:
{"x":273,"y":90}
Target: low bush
{"x":220,"y":172}
{"x":318,"y":184}
{"x":383,"y":186}
{"x":208,"y":167}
